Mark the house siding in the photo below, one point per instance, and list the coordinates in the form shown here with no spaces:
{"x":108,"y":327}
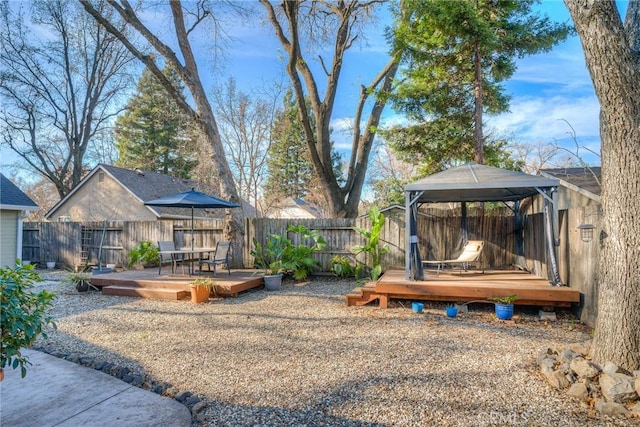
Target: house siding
{"x":102,"y":198}
{"x":8,"y":237}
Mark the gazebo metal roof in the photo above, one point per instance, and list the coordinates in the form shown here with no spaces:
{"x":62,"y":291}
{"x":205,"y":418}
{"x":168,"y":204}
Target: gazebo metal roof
{"x":478,"y":183}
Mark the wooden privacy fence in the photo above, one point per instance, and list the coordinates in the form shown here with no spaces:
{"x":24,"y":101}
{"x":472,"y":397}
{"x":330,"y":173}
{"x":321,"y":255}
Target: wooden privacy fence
{"x":440,"y":237}
{"x":74,"y":244}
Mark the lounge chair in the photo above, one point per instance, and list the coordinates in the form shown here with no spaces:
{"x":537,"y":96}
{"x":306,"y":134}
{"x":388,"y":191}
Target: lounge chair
{"x":470,"y":254}
{"x":220,"y":256}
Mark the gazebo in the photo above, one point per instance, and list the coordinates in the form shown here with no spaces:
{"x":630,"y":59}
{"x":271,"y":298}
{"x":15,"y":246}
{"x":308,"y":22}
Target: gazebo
{"x":480,"y":183}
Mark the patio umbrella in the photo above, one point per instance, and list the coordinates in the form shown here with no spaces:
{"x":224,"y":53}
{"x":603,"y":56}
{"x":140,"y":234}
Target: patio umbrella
{"x":191,"y":199}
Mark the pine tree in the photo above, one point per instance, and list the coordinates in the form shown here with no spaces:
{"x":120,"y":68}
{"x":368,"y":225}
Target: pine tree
{"x":289,"y":162}
{"x":291,"y":172}
{"x":456,"y":55}
{"x":153,"y":133}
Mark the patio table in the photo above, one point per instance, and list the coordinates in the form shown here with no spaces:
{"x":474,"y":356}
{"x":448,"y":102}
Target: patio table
{"x":188,"y":256}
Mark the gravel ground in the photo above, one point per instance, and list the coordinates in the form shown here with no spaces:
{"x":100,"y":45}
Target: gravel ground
{"x":300,"y":356}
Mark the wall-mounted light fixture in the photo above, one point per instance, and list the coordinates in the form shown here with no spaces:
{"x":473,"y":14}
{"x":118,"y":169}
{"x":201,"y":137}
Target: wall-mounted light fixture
{"x":586,"y":232}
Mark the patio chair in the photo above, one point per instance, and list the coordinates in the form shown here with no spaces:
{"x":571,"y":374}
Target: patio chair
{"x":470,"y":254}
{"x":172,"y":258}
{"x":220,"y":256}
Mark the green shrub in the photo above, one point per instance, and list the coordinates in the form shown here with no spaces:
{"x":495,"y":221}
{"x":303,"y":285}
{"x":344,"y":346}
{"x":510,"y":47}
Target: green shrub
{"x":23,"y":314}
{"x":299,"y":259}
{"x":146,"y":252}
{"x":341,"y":266}
{"x":373,"y":247}
{"x":279,"y":255}
{"x":268,"y":256}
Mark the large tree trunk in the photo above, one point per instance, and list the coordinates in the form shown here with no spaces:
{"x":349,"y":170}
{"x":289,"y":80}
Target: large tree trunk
{"x":202,"y":114}
{"x":613,"y":61}
{"x":477,"y":114}
{"x":342,"y":201}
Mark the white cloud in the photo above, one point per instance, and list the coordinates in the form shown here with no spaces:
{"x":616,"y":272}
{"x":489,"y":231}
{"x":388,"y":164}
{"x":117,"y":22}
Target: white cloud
{"x":542,"y":118}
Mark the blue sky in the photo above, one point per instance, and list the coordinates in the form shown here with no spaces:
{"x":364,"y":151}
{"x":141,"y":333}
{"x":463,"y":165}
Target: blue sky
{"x":546,"y":90}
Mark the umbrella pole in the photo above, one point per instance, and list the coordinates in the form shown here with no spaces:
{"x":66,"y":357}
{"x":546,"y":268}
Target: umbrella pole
{"x":192,"y":232}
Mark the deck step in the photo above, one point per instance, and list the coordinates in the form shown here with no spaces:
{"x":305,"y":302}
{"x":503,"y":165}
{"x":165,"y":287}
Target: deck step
{"x":145,"y":292}
{"x":362,"y":295}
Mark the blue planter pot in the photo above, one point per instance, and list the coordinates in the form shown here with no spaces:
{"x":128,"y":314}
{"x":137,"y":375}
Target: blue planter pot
{"x":417,"y":307}
{"x":504,"y":311}
{"x":452,"y":311}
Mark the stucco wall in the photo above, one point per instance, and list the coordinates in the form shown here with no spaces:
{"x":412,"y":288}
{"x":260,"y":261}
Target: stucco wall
{"x":8,"y":237}
{"x":100,"y":198}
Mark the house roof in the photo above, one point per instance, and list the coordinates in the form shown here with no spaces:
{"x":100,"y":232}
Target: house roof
{"x":478,"y":183}
{"x":12,"y":198}
{"x":147,"y":185}
{"x":302,"y":204}
{"x":583,"y":180}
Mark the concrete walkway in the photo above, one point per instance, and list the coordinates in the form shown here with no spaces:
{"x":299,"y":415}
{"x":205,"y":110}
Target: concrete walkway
{"x":56,"y":392}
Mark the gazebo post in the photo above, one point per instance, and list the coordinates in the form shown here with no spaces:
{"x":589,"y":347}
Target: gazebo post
{"x":407,"y":235}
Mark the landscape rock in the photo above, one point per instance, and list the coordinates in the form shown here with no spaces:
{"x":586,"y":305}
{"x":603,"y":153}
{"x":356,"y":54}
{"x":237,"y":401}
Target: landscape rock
{"x":584,"y":368}
{"x":182,"y":397}
{"x":578,"y":390}
{"x":564,"y":368}
{"x":549,"y":316}
{"x":635,"y":410}
{"x":546,"y":365}
{"x":637,"y":385}
{"x":567,"y":355}
{"x":558,"y":380}
{"x":611,"y":409}
{"x":617,"y":388}
{"x":582,"y":348}
{"x":613,"y":369}
{"x":198,"y":407}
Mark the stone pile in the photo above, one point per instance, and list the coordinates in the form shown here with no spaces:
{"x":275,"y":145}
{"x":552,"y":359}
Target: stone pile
{"x":610,"y":389}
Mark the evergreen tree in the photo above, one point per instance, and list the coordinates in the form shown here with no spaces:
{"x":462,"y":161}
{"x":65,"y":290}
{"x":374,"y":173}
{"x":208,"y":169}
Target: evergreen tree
{"x":289,"y":162}
{"x":154,"y":134}
{"x":457,"y":53}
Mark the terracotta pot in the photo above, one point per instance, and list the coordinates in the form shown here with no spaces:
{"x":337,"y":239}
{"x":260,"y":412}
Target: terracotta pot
{"x":199,"y":294}
{"x":1,"y":374}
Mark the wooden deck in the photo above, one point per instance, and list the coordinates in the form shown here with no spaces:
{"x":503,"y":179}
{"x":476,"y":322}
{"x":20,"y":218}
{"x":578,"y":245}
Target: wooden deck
{"x":148,"y":283}
{"x":465,"y":286}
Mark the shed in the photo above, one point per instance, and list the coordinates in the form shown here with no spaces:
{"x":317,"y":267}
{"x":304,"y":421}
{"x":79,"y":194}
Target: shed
{"x":14,"y":205}
{"x":479,"y":183}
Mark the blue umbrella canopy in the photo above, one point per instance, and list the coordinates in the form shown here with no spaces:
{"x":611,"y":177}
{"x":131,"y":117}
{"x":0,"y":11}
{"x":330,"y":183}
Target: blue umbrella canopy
{"x":191,"y":199}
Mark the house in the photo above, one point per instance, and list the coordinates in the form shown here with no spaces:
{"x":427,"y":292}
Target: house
{"x":113,"y":193}
{"x":14,"y":205}
{"x":292,"y":207}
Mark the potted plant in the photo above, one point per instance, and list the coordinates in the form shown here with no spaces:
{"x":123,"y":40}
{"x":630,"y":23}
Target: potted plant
{"x":452,"y":310}
{"x":80,"y":280}
{"x":201,"y":290}
{"x":504,"y":306}
{"x":269,"y":259}
{"x":24,"y":315}
{"x":51,"y":265}
{"x":145,"y":253}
